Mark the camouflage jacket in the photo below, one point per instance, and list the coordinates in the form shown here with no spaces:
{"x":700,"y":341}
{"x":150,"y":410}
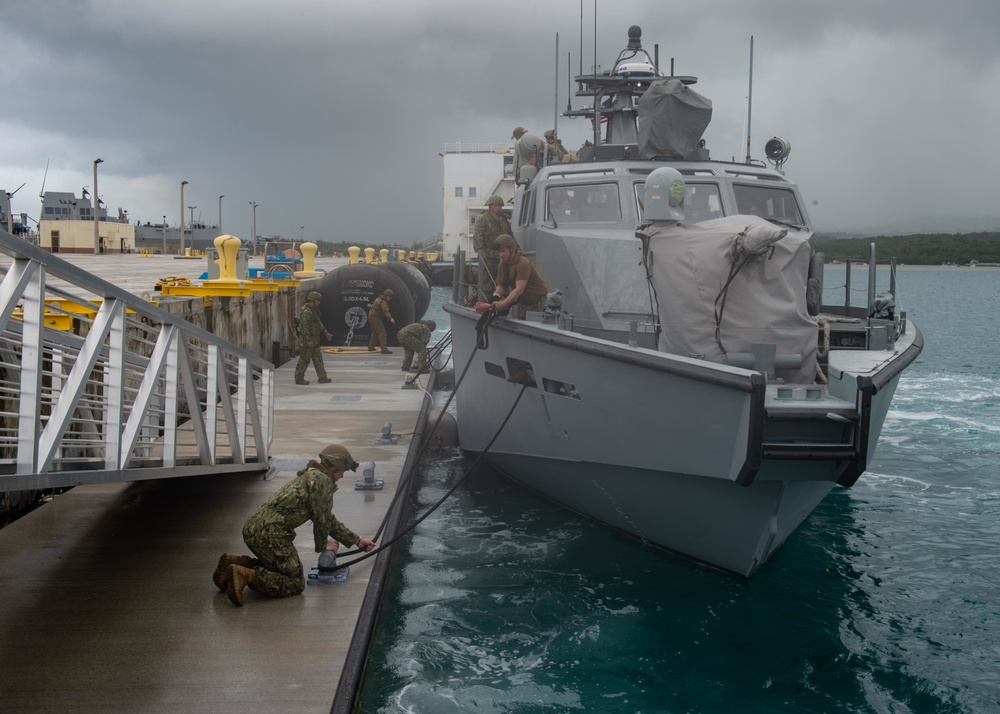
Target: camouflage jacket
{"x":310,"y":327}
{"x":416,"y":332}
{"x":307,"y":497}
{"x":488,"y":227}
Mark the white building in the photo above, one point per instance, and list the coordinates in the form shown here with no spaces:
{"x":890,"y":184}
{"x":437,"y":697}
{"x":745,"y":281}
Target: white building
{"x":472,"y":173}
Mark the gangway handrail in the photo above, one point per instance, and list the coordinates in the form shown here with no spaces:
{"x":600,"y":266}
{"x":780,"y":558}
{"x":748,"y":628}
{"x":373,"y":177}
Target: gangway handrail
{"x":130,"y":392}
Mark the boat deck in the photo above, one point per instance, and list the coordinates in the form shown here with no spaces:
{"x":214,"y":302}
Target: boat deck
{"x":108,"y":602}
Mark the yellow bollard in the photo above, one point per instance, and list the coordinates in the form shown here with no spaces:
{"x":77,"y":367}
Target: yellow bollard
{"x":369,"y":255}
{"x":308,"y":261}
{"x":400,"y":255}
{"x":227,"y":246}
{"x":353,"y":252}
{"x":383,"y":255}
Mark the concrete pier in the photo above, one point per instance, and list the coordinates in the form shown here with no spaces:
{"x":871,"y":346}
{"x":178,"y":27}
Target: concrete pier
{"x":107,"y":603}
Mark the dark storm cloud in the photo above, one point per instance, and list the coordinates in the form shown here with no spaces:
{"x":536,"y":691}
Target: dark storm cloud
{"x":331,"y":115}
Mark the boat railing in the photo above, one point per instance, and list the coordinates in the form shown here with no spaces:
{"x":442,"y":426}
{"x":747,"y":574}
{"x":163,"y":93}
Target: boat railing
{"x":498,"y":147}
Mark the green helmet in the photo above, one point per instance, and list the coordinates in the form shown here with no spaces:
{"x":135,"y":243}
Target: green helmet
{"x":505,"y":241}
{"x":430,"y":325}
{"x":494,"y":200}
{"x":337,"y":457}
{"x":313,"y":295}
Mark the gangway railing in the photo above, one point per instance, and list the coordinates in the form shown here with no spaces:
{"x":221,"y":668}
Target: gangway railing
{"x":98,"y":385}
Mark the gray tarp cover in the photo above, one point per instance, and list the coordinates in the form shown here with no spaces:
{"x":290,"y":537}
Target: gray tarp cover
{"x":672,"y":119}
{"x":690,"y":262}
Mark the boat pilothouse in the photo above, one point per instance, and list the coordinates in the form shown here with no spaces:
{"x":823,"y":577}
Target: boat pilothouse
{"x":692,"y":390}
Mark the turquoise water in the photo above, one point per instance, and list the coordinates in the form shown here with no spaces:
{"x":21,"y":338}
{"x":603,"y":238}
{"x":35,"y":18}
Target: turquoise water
{"x":885,"y":600}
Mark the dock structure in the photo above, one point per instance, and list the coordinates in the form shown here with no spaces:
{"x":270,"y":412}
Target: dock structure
{"x":108,"y":603}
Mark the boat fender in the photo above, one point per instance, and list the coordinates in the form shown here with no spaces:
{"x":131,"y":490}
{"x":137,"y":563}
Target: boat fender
{"x":416,"y":281}
{"x":349,"y":291}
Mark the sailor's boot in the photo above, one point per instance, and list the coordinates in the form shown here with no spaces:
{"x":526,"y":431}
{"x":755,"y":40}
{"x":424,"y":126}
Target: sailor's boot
{"x":221,"y":575}
{"x":239,"y":578}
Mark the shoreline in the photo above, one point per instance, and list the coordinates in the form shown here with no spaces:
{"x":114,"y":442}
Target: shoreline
{"x":919,"y":267}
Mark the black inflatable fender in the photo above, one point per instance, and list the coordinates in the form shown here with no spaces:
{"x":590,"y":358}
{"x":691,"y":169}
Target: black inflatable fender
{"x":416,"y":281}
{"x":348,"y":292}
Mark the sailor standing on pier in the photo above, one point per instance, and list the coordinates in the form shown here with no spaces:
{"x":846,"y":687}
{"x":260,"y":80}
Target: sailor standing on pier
{"x":379,"y":310}
{"x":310,"y":329}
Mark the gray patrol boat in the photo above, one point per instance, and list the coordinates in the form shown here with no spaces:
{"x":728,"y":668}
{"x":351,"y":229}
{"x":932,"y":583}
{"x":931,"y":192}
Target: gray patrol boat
{"x":685,"y":384}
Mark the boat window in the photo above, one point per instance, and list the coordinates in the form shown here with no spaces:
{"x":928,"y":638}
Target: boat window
{"x":769,"y":202}
{"x":527,"y":208}
{"x":494,"y":369}
{"x":701,"y":201}
{"x":586,"y":203}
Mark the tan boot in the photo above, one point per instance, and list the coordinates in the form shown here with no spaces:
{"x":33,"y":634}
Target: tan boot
{"x":221,"y":575}
{"x":239,"y":578}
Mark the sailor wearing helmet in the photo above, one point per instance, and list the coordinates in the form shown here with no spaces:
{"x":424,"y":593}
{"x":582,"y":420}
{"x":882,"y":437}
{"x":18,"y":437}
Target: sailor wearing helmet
{"x":517,"y":281}
{"x":269,"y":532}
{"x":377,"y":312}
{"x":490,"y":224}
{"x":310,"y":329}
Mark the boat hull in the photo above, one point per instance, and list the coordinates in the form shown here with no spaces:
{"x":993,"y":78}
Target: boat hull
{"x":691,"y":457}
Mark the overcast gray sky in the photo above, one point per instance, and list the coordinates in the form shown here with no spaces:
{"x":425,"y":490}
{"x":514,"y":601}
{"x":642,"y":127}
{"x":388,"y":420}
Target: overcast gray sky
{"x":330,"y":115}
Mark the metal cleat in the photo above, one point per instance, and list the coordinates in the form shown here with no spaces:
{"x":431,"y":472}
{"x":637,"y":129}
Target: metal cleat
{"x":369,"y":482}
{"x":324,"y":573}
{"x":387,"y":437}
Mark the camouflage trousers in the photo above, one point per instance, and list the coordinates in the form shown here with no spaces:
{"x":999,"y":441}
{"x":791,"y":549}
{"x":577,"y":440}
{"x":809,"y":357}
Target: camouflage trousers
{"x":378,"y":333}
{"x":307,"y":355}
{"x":279,"y":573}
{"x":522,"y":308}
{"x":413,"y":347}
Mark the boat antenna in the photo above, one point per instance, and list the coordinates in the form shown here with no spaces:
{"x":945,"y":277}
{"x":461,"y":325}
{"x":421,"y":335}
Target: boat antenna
{"x":580,"y":86}
{"x":750,"y":99}
{"x":595,"y":38}
{"x":569,"y":82}
{"x":41,"y":194}
{"x":555,"y":107}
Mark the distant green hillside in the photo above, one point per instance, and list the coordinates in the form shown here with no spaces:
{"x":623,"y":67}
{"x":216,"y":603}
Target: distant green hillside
{"x":920,"y":249}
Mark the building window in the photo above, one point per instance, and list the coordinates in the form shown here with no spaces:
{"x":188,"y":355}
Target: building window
{"x":472,"y":191}
{"x":458,"y":192}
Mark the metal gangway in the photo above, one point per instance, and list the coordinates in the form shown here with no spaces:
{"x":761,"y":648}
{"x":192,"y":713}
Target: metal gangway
{"x":98,"y":385}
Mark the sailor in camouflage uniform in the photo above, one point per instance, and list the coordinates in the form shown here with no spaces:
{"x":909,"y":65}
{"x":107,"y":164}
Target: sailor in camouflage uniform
{"x":270,"y":531}
{"x":310,"y":329}
{"x":414,"y":339}
{"x":490,"y":224}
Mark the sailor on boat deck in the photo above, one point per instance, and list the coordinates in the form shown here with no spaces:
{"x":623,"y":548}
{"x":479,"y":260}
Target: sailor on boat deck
{"x":529,"y":157}
{"x":518,"y":283}
{"x":490,"y":225}
{"x":557,"y":152}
